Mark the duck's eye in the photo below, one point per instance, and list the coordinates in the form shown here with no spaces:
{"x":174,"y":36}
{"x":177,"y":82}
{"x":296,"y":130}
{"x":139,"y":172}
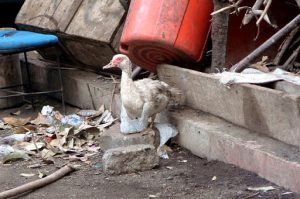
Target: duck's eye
{"x":117,"y":61}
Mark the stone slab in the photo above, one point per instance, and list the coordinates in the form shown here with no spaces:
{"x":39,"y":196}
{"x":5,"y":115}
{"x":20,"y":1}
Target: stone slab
{"x":213,"y":138}
{"x":112,"y":138}
{"x":268,"y":111}
{"x":130,"y":159}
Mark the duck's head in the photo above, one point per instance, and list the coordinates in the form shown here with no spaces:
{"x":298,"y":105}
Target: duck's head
{"x":120,"y":61}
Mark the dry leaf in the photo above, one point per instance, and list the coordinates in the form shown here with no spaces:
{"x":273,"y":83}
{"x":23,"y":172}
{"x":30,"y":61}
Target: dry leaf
{"x":71,"y":143}
{"x":261,"y":65}
{"x":24,"y":129}
{"x":55,"y":143}
{"x":16,"y":121}
{"x":45,"y":153}
{"x":41,"y":120}
{"x":36,"y":146}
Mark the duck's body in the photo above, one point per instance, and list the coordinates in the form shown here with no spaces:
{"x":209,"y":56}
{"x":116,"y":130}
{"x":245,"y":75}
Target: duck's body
{"x":143,"y":98}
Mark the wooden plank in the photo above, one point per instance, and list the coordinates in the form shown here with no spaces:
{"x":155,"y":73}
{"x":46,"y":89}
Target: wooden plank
{"x":9,"y":76}
{"x":59,"y":14}
{"x":263,"y":110}
{"x":67,"y":12}
{"x":99,"y":54}
{"x":32,"y":12}
{"x":98,"y":20}
{"x":50,"y":15}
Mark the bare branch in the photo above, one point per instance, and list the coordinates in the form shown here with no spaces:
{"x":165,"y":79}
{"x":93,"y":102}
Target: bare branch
{"x":267,"y":7}
{"x":244,"y":63}
{"x":248,"y":16}
{"x":234,"y":5}
{"x":284,"y":46}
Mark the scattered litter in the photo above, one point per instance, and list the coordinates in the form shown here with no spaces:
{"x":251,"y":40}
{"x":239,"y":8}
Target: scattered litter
{"x":99,"y":165}
{"x":254,"y":76}
{"x":182,"y":161}
{"x":264,"y":189}
{"x":51,"y":129}
{"x":73,"y":120}
{"x":34,"y":146}
{"x":42,"y":174}
{"x":286,"y":193}
{"x":15,"y":155}
{"x":4,"y":125}
{"x":153,"y":196}
{"x":12,"y":139}
{"x":27,"y":175}
{"x":170,"y":168}
{"x":47,"y":110}
{"x":169,"y":178}
{"x":6,"y":149}
{"x":53,"y":135}
{"x":214,"y":178}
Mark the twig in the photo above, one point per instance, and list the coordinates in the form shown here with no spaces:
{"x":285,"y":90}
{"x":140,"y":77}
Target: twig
{"x":38,"y":183}
{"x":33,"y":140}
{"x":234,"y":5}
{"x":113,"y":93}
{"x":284,"y":46}
{"x":251,"y":196}
{"x":269,"y":2}
{"x":248,"y":16}
{"x":241,"y":65}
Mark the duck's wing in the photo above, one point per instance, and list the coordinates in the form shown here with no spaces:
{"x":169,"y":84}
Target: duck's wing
{"x":149,"y":88}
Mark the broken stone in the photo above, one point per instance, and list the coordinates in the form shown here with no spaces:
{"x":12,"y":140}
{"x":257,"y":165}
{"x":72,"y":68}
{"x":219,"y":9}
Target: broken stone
{"x":130,"y":159}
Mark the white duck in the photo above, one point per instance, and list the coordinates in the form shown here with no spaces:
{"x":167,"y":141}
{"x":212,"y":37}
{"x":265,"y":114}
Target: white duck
{"x":141,"y":99}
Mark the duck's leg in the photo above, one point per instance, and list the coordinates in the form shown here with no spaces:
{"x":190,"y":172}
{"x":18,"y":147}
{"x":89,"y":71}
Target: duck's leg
{"x":152,"y":121}
{"x":135,"y":125}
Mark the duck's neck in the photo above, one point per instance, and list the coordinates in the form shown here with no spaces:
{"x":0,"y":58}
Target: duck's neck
{"x":126,"y":78}
{"x":126,"y":81}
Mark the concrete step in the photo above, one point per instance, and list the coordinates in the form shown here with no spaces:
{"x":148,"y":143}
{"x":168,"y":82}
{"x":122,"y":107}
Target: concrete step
{"x":213,"y":138}
{"x":267,"y":111}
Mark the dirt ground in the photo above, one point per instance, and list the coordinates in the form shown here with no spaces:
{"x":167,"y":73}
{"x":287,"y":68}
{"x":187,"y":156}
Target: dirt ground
{"x":182,"y":176}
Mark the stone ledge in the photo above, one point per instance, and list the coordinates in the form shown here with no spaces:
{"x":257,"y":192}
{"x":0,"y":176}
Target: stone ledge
{"x":213,"y":138}
{"x":268,"y":111}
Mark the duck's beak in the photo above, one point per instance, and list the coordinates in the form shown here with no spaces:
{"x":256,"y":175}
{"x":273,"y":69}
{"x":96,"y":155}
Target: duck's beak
{"x":109,"y":65}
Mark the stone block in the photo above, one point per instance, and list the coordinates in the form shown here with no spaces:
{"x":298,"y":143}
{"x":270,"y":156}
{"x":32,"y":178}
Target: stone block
{"x":112,"y":138}
{"x":130,"y":159}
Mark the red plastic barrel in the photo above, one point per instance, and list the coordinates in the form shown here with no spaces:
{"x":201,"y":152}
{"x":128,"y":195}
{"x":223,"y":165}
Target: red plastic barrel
{"x":166,"y":31}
